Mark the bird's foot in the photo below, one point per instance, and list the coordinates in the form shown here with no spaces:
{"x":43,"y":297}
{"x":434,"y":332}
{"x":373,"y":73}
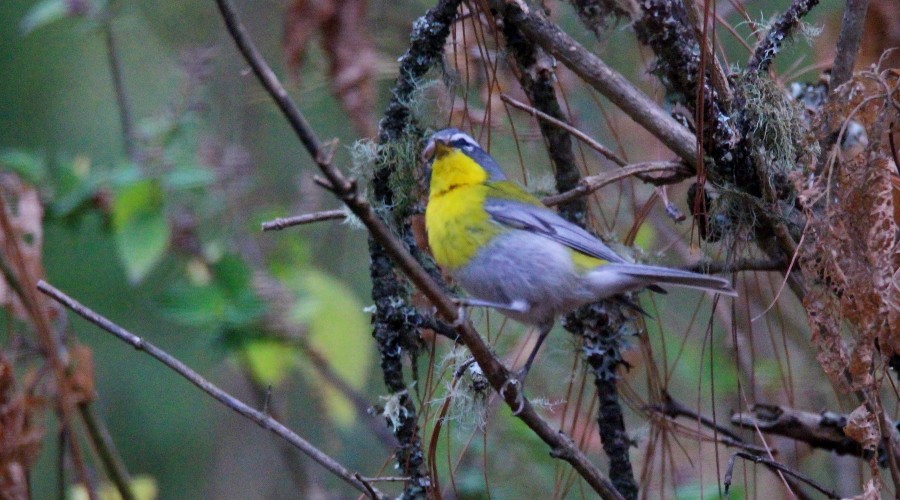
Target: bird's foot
{"x":516,"y":379}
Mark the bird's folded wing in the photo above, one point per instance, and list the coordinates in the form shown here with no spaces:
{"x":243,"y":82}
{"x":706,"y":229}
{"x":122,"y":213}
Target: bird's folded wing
{"x":546,"y":222}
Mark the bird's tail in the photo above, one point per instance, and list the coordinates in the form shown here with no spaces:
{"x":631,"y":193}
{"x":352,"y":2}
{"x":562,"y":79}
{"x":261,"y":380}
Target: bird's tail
{"x":635,"y":276}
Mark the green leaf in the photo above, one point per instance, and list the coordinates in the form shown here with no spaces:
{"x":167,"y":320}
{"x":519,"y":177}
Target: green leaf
{"x":29,"y":166}
{"x":269,"y":361}
{"x":235,"y":279}
{"x":232,"y":274}
{"x":135,"y":200}
{"x":140,"y":229}
{"x":200,"y":306}
{"x":42,"y":14}
{"x":339,"y":330}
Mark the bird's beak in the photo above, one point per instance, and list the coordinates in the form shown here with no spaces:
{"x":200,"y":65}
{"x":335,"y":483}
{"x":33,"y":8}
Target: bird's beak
{"x":428,"y":152}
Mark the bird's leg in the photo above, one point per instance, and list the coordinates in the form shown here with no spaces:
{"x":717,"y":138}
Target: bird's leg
{"x":518,"y":378}
{"x":545,"y":330}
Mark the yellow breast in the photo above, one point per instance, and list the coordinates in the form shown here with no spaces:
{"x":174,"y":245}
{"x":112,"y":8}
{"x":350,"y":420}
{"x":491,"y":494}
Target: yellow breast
{"x":457,"y":225}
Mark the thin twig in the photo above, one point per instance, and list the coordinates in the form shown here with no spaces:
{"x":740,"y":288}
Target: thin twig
{"x":497,"y":374}
{"x":103,"y":443}
{"x":729,"y":471}
{"x":297,"y":220}
{"x":600,"y":148}
{"x":385,"y":479}
{"x":356,"y":398}
{"x":118,"y":81}
{"x":673,"y":408}
{"x":264,"y":421}
{"x":590,"y":184}
{"x":849,"y":38}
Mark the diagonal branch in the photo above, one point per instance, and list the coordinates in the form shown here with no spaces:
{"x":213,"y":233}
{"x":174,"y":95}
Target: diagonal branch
{"x":606,"y":80}
{"x":256,"y":416}
{"x":771,"y":464}
{"x":782,"y":29}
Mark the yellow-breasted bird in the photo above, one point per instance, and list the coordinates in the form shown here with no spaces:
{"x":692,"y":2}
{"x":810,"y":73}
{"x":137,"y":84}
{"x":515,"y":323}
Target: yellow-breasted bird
{"x":510,"y":252}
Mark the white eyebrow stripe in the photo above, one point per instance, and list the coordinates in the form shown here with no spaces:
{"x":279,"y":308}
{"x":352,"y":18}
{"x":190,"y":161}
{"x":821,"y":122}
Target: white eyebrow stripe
{"x":463,"y":137}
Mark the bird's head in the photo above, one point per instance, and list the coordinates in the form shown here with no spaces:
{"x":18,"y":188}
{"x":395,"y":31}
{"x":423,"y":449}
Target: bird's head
{"x":457,"y":160}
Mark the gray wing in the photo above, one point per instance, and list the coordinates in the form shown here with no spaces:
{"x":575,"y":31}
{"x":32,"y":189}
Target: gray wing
{"x":546,"y":222}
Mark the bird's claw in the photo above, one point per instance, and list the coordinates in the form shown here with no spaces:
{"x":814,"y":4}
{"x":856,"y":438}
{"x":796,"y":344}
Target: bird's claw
{"x":516,"y":378}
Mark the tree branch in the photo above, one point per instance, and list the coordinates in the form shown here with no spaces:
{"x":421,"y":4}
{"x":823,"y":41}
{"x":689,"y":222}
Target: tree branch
{"x":782,"y":28}
{"x":536,"y":76}
{"x":259,"y":418}
{"x":606,"y":80}
{"x":820,"y":430}
{"x":705,"y":266}
{"x":849,"y":38}
{"x":666,"y":170}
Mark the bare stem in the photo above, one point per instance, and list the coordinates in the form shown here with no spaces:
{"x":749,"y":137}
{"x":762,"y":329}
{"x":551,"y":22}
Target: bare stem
{"x":259,"y":418}
{"x":298,"y":220}
{"x":118,"y":81}
{"x":590,"y":184}
{"x":848,"y":41}
{"x":103,"y":443}
{"x":600,"y":148}
{"x":729,"y":471}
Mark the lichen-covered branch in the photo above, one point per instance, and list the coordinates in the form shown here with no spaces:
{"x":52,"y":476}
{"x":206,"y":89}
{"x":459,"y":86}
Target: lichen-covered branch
{"x":782,"y":29}
{"x":394,"y":324}
{"x":603,"y":328}
{"x":536,"y":75}
{"x":664,"y":26}
{"x":820,"y":430}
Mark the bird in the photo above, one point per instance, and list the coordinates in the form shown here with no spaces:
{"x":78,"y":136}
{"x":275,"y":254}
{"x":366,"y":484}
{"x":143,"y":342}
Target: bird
{"x":510,"y":252}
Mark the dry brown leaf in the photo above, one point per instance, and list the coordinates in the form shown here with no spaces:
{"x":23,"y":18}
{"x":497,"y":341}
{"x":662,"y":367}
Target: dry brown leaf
{"x":862,"y":427}
{"x":25,"y":214}
{"x":346,"y":41}
{"x":853,"y":250}
{"x":20,"y":436}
